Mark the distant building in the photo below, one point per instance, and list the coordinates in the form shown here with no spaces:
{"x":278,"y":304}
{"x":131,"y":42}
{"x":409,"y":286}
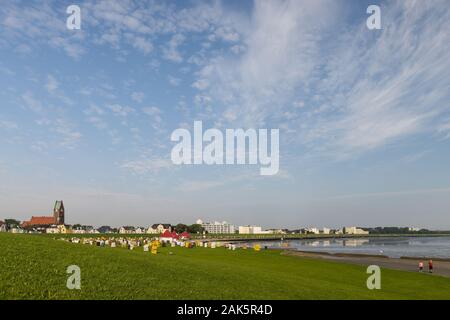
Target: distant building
{"x":17,"y":230}
{"x":64,"y":229}
{"x":139,"y":230}
{"x":217,"y":227}
{"x":168,"y":236}
{"x":78,"y":230}
{"x":354,"y":230}
{"x":326,"y":231}
{"x":58,"y":212}
{"x":127,"y":230}
{"x":185,"y":236}
{"x":253,"y":230}
{"x":2,"y":226}
{"x":58,"y":218}
{"x":278,"y":231}
{"x":105,"y":229}
{"x":312,"y":230}
{"x":159,"y":228}
{"x":89,"y":229}
{"x":52,"y":229}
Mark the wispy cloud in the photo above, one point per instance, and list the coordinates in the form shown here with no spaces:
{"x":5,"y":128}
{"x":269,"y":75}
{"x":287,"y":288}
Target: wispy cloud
{"x":69,"y":136}
{"x":31,"y":102}
{"x":147,"y":166}
{"x":171,"y":50}
{"x":8,"y":125}
{"x":52,"y":84}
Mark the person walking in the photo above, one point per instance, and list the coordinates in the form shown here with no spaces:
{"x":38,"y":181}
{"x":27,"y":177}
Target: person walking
{"x":430,"y":266}
{"x":420,"y":266}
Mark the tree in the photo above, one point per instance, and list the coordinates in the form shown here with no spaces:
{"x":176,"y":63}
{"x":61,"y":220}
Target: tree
{"x":179,"y":228}
{"x":195,"y":228}
{"x":12,"y":223}
{"x":104,"y":229}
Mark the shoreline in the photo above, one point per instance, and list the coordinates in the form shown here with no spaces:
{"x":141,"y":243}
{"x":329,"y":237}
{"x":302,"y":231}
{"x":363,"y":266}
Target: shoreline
{"x":363,"y":255}
{"x":441,"y":266}
{"x":313,"y":237}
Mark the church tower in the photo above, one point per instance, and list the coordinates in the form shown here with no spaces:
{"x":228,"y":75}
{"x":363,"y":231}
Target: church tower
{"x":58,"y":212}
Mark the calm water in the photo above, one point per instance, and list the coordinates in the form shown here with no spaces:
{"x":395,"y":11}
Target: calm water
{"x":436,"y":247}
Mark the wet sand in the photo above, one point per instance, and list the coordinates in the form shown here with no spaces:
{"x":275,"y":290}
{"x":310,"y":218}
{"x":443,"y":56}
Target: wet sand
{"x":441,"y":266}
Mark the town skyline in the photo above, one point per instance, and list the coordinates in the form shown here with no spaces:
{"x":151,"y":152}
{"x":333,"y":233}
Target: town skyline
{"x":58,"y":219}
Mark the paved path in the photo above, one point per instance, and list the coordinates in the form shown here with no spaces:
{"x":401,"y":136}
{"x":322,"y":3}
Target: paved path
{"x":440,"y":267}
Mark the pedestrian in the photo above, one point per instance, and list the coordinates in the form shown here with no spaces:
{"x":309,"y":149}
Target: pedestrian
{"x":430,"y":266}
{"x":420,"y":266}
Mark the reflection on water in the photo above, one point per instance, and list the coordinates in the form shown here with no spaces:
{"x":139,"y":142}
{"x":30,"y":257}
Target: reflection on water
{"x":437,"y":247}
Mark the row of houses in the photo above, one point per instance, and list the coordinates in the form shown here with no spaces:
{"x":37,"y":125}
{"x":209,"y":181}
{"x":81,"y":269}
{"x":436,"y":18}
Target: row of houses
{"x":157,"y":228}
{"x":154,"y":229}
{"x":224,"y":227}
{"x":227,"y":228}
{"x":51,"y":228}
{"x":344,"y":230}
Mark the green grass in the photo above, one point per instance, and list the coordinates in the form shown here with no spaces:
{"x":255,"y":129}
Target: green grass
{"x":34,"y":267}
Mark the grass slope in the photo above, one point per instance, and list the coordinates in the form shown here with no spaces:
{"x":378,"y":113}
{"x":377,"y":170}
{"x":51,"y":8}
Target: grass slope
{"x":34,"y":267}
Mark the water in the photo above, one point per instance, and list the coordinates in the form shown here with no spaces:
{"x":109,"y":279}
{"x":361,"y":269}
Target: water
{"x":394,"y":247}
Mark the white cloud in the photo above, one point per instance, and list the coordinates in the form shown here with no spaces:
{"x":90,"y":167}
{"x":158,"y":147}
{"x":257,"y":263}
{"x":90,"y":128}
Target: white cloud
{"x":94,"y":109}
{"x":8,"y":125}
{"x":122,"y":111}
{"x":52,"y":84}
{"x":64,"y":128}
{"x":385,"y":86}
{"x":138,"y":96}
{"x":147,"y":166}
{"x":151,"y":111}
{"x":201,"y":84}
{"x":97,"y":122}
{"x":155,"y":114}
{"x":282,"y":45}
{"x":171,"y":51}
{"x":141,"y":44}
{"x":31,"y":103}
{"x":174,"y":81}
{"x":339,"y":91}
{"x":226,"y":33}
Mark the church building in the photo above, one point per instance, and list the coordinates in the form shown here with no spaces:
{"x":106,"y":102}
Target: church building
{"x":41,"y":221}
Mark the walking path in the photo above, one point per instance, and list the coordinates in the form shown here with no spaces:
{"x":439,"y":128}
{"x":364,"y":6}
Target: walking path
{"x":441,"y":267}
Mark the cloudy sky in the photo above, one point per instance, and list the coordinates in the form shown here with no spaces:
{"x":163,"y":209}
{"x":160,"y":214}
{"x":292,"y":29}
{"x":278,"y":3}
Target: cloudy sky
{"x":364,"y":115}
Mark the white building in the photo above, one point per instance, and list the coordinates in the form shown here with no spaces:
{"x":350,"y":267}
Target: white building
{"x":354,"y":230}
{"x":253,"y":230}
{"x":127,"y":230}
{"x":159,"y":228}
{"x":139,"y":230}
{"x":17,"y":230}
{"x":313,"y":230}
{"x":52,"y":229}
{"x":326,"y":231}
{"x":276,"y":231}
{"x":217,"y":227}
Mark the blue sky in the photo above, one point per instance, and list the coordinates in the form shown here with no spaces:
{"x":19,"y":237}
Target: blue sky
{"x":364,"y":115}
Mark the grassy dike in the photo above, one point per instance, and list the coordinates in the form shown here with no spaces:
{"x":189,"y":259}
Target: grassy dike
{"x":34,"y":267}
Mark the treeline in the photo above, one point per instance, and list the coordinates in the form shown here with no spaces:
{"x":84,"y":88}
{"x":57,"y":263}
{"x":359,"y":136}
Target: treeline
{"x":193,"y":228}
{"x":401,"y":230}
